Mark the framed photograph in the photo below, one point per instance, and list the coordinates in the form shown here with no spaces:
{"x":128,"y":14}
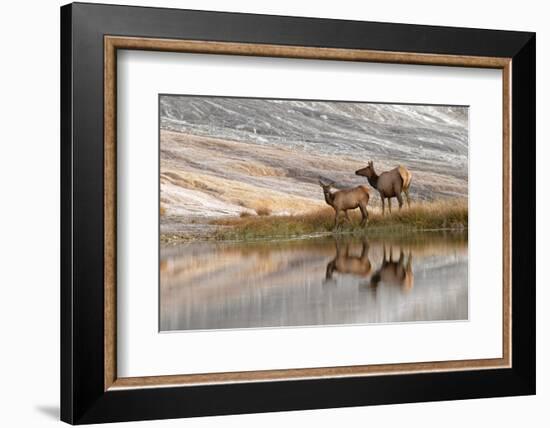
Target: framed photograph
{"x":266,"y":213}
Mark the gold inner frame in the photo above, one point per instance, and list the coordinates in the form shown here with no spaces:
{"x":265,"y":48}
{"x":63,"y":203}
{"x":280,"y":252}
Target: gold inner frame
{"x":113,"y":43}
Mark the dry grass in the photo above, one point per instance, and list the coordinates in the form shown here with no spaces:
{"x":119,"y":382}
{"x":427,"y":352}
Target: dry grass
{"x":447,"y":214}
{"x":263,"y":211}
{"x":162,"y":211}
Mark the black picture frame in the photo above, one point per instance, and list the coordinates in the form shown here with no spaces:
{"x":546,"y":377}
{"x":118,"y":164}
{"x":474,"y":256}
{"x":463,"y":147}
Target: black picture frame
{"x":83,"y":398}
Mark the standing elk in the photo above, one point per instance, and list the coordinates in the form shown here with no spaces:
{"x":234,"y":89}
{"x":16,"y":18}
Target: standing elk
{"x":347,"y":199}
{"x":389,"y":184}
{"x":343,"y":262}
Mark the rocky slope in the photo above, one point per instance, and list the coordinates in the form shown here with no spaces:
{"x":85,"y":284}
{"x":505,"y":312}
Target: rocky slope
{"x":224,"y":156}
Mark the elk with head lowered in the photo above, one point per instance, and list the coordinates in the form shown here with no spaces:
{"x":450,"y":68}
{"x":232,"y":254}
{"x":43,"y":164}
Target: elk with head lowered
{"x":347,"y":199}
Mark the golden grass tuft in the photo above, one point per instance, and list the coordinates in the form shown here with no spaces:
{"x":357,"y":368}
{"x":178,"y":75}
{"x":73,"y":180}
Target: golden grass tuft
{"x":263,"y":211}
{"x":446,"y":214}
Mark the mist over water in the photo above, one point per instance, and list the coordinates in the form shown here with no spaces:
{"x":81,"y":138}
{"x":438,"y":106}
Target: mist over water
{"x":311,"y":282}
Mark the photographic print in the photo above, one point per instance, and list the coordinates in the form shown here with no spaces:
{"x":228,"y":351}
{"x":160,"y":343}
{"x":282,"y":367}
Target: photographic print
{"x":294,"y":213}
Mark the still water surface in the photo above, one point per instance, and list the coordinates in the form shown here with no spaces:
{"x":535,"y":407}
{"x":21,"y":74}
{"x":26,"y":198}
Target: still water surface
{"x":318,"y":281}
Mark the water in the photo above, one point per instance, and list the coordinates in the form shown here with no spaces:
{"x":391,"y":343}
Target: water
{"x":311,"y":282}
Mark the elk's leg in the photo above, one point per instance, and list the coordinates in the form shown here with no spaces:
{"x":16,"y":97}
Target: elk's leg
{"x":347,"y":216}
{"x":399,"y":199}
{"x":382,"y":198}
{"x":337,"y":241}
{"x":346,"y":254}
{"x":389,"y":204}
{"x":365,"y":249}
{"x":408,"y":199}
{"x":336,"y":214}
{"x":364,"y":214}
{"x":330,"y":270}
{"x":401,"y":257}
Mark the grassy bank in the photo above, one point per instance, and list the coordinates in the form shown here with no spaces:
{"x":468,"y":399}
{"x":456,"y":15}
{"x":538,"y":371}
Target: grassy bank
{"x":448,"y":214}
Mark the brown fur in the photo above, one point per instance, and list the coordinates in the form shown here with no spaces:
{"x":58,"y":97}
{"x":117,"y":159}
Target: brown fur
{"x":389,"y":184}
{"x":343,"y":262}
{"x":395,"y":273}
{"x":347,"y":199}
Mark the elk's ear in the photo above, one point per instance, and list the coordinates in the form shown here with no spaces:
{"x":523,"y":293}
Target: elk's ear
{"x":321,"y":183}
{"x":370,"y":163}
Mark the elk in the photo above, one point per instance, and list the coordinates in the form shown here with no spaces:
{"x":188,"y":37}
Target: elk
{"x":389,"y":184}
{"x":394,"y":273}
{"x":343,"y":262}
{"x":347,"y":199}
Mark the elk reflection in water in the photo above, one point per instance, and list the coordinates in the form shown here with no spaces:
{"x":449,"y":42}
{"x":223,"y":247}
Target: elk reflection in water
{"x":343,"y":262}
{"x":390,"y":272}
{"x":398,"y":272}
{"x":321,"y":281}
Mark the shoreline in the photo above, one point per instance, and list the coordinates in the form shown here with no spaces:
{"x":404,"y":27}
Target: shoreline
{"x":373,"y":232}
{"x":449,"y":215}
